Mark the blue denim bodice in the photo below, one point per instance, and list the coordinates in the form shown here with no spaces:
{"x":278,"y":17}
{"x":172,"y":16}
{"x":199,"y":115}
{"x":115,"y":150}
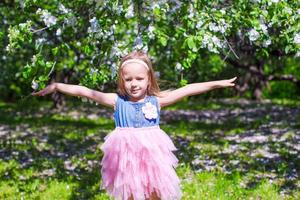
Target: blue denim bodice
{"x":130,"y":114}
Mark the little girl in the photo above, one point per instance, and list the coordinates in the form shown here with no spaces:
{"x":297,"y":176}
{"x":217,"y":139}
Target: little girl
{"x":138,"y":161}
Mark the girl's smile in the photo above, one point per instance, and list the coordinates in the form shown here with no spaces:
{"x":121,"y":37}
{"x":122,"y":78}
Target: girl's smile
{"x":136,"y":81}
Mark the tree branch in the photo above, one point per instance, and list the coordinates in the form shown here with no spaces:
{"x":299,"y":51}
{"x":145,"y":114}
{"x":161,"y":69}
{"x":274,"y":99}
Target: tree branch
{"x":285,"y":77}
{"x":254,"y":71}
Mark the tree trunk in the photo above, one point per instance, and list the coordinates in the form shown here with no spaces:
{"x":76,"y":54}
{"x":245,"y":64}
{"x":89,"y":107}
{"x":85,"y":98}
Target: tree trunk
{"x":259,"y":80}
{"x":58,"y":99}
{"x":244,"y":85}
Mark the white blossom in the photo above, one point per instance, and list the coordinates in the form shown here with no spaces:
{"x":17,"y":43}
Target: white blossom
{"x":267,"y":43}
{"x":145,"y":48}
{"x":213,"y":27}
{"x":63,"y":9}
{"x":22,"y":25}
{"x":272,"y":1}
{"x":22,"y":4}
{"x":177,"y":6}
{"x":155,"y":5}
{"x":8,"y":47}
{"x":113,"y":69}
{"x":58,"y":32}
{"x":94,"y":25}
{"x":34,"y":85}
{"x":212,"y":43}
{"x":297,"y":38}
{"x":223,"y":25}
{"x":71,"y":21}
{"x":116,"y":51}
{"x":93,"y":71}
{"x":253,"y":35}
{"x":46,"y":16}
{"x":138,"y":43}
{"x":264,"y":28}
{"x":216,"y":41}
{"x":40,"y":41}
{"x":119,"y":9}
{"x":205,"y":40}
{"x":68,"y":164}
{"x":212,"y":48}
{"x":130,"y":12}
{"x":191,"y":12}
{"x":223,"y":28}
{"x":220,"y":27}
{"x":150,"y":32}
{"x":199,"y":24}
{"x":39,"y":11}
{"x":191,"y":15}
{"x":288,"y":10}
{"x":33,"y":59}
{"x":178,"y":67}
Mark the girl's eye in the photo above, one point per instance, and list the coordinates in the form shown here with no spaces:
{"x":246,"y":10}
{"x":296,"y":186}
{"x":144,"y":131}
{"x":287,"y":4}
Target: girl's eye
{"x":127,"y":79}
{"x":139,"y":79}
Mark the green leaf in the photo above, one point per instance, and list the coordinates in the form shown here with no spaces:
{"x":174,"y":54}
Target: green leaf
{"x":87,"y":50}
{"x":191,"y":43}
{"x":43,"y":78}
{"x":27,"y":71}
{"x":287,"y":49}
{"x":55,"y":51}
{"x":183,"y":82}
{"x":163,"y":41}
{"x":41,"y":62}
{"x":49,"y":64}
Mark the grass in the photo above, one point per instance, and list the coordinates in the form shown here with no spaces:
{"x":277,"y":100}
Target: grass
{"x":227,"y":149}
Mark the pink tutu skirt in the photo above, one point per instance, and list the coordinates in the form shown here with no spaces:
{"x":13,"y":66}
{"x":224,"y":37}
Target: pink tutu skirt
{"x":139,"y":161}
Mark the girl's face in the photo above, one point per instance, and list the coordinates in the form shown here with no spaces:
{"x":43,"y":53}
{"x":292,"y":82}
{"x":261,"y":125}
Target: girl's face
{"x":136,"y":80}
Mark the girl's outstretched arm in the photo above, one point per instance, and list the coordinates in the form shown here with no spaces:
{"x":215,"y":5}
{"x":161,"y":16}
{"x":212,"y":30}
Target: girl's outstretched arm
{"x":107,"y":99}
{"x":193,"y":89}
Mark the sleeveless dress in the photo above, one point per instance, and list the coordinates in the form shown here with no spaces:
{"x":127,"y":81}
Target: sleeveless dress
{"x":138,"y":157}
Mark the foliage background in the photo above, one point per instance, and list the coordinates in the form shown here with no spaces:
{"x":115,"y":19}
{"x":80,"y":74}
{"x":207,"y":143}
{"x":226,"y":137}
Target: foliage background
{"x":82,"y":42}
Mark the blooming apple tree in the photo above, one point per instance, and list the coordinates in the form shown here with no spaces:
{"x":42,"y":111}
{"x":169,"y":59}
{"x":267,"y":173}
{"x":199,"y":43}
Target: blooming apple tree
{"x":84,"y":40}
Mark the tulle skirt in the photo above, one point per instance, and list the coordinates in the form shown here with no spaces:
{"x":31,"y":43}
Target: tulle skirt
{"x":139,"y":161}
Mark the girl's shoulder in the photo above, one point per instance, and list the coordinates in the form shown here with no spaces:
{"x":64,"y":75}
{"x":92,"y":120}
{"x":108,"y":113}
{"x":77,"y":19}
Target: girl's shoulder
{"x":121,"y":98}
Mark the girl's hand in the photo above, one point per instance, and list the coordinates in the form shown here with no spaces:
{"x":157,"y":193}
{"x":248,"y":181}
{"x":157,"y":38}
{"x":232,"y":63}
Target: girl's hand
{"x":47,"y":90}
{"x":227,"y":82}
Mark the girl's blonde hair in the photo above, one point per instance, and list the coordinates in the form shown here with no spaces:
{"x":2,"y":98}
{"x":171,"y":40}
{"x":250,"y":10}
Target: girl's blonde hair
{"x":153,"y":88}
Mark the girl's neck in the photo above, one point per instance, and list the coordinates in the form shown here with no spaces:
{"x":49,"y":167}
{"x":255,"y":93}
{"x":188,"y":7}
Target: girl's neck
{"x":138,"y":100}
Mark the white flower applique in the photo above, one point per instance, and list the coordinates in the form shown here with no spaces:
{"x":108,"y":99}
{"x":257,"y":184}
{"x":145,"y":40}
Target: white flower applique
{"x":150,"y":111}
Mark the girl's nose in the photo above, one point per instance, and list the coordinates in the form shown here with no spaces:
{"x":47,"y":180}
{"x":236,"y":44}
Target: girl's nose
{"x":133,"y":83}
